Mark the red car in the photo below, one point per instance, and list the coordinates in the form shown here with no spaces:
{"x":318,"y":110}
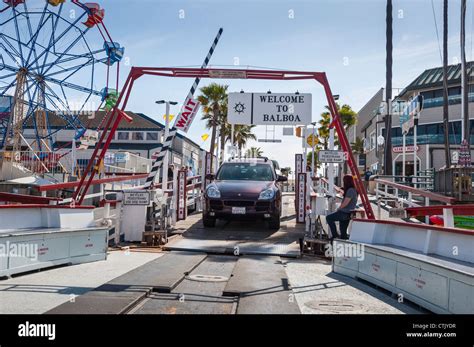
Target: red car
{"x":247,"y":189}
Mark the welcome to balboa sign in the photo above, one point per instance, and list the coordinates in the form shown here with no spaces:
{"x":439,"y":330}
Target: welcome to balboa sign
{"x":269,"y":109}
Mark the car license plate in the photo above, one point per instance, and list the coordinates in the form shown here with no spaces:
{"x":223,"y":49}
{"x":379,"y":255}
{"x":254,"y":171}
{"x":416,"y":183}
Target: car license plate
{"x":238,"y":210}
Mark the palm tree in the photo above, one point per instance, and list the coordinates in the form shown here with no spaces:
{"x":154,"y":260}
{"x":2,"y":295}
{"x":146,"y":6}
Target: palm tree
{"x":309,"y":159}
{"x":445,"y":85}
{"x":348,"y":117}
{"x":213,"y":100}
{"x":358,"y":146}
{"x":254,"y":152}
{"x":388,"y":169}
{"x":242,"y":135}
{"x":286,"y":171}
{"x":223,"y":129}
{"x":323,"y":130}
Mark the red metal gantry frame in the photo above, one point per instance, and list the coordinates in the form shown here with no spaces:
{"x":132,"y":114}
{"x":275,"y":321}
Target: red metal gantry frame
{"x":116,"y":115}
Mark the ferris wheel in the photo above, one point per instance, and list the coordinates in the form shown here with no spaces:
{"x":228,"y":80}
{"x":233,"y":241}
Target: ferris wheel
{"x":57,"y":59}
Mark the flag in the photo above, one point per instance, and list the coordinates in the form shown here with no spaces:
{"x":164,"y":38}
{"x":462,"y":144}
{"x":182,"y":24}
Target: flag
{"x":171,"y":117}
{"x":205,"y":137}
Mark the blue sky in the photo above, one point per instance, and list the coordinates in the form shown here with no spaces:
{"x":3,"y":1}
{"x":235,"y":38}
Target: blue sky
{"x":344,"y":38}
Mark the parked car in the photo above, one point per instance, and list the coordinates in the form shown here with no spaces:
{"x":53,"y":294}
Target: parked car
{"x":247,"y":188}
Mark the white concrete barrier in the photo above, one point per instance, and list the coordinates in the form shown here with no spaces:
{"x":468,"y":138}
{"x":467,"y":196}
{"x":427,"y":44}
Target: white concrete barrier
{"x":38,"y":236}
{"x":16,"y":217}
{"x":452,"y":243}
{"x":431,"y":266}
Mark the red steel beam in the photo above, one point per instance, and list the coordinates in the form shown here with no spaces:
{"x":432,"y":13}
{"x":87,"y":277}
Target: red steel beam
{"x":137,"y":72}
{"x":62,"y":207}
{"x":419,"y":226}
{"x":27,"y":199}
{"x":76,"y":184}
{"x":458,"y":210}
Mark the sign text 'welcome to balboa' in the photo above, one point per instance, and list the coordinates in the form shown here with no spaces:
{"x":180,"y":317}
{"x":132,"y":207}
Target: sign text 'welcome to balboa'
{"x":269,"y":109}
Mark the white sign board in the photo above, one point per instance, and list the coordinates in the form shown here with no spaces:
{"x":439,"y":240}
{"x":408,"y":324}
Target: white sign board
{"x":269,"y":109}
{"x":408,"y":149}
{"x":412,"y":110}
{"x":332,"y":157}
{"x":138,"y":198}
{"x":187,"y":114}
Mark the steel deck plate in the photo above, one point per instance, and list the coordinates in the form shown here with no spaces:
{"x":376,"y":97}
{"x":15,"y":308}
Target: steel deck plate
{"x":262,"y":285}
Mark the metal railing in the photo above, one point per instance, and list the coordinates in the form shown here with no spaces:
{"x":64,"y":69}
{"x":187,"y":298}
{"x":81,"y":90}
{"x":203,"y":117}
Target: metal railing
{"x":452,"y":100}
{"x":21,"y":164}
{"x":423,"y":139}
{"x":403,"y":195}
{"x":456,"y":182}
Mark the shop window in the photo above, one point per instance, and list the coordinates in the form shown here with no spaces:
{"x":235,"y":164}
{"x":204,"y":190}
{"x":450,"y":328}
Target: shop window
{"x":123,"y":136}
{"x":138,"y":136}
{"x":454,"y":91}
{"x":152,"y":136}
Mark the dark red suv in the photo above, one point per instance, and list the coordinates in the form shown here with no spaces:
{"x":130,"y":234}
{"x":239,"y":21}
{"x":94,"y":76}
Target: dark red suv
{"x":247,"y":188}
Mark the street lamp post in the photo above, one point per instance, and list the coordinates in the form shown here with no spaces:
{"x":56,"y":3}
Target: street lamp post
{"x":313,"y":171}
{"x":164,"y":180}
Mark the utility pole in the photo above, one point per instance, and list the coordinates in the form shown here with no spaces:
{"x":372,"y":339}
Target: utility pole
{"x":447,"y":153}
{"x":388,"y":167}
{"x":164,"y":180}
{"x":464,"y":86}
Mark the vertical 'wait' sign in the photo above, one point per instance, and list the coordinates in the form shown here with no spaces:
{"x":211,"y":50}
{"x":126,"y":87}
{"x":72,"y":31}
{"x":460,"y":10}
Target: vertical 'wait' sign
{"x":187,"y":114}
{"x":182,"y":199}
{"x":301,"y":198}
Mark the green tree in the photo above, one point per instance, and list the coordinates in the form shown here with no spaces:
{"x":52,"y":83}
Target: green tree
{"x":213,"y":99}
{"x":254,"y":152}
{"x":348,"y":117}
{"x":358,"y":146}
{"x":309,"y":159}
{"x":242,"y":134}
{"x":286,"y":171}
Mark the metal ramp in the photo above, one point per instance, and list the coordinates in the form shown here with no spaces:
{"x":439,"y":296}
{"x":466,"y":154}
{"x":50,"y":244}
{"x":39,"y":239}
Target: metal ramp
{"x":240,"y":238}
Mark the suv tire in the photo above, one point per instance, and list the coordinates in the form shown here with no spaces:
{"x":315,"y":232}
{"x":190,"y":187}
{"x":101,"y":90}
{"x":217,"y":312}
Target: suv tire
{"x":274,"y":223}
{"x":209,"y":222}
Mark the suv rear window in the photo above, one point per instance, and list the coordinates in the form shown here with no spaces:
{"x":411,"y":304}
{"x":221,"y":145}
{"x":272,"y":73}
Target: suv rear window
{"x":245,"y":172}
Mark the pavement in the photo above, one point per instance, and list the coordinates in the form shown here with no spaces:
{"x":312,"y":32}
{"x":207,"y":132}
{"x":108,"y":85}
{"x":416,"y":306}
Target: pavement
{"x":318,"y":290}
{"x":38,"y":292}
{"x":308,"y":287}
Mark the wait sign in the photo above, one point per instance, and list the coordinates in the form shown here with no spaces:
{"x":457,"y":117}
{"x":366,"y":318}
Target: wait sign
{"x":269,"y":109}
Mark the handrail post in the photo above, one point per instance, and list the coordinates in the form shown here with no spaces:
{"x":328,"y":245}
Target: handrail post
{"x":448,"y":217}
{"x":427,"y":203}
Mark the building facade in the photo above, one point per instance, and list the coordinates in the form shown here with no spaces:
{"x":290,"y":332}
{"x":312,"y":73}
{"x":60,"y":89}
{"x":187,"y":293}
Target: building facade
{"x":132,"y":142}
{"x":430,"y":153}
